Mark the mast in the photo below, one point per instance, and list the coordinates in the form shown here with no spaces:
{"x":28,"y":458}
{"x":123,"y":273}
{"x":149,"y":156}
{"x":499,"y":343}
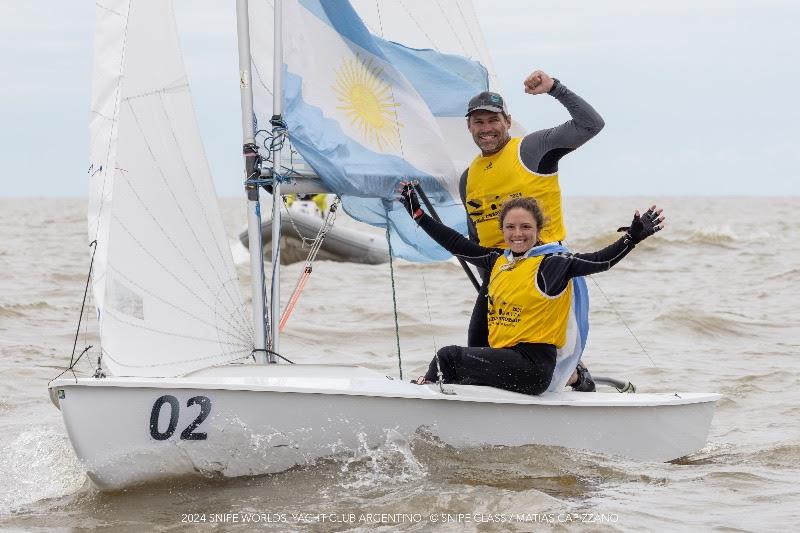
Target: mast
{"x":253,"y":176}
{"x":277,"y":120}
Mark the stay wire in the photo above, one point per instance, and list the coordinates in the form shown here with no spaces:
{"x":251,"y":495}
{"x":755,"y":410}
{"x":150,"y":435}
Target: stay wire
{"x":316,"y":245}
{"x":439,"y":373}
{"x":72,"y":360}
{"x":624,"y":323}
{"x":394,"y":301}
{"x":272,"y":285}
{"x":316,"y":242}
{"x":71,"y":368}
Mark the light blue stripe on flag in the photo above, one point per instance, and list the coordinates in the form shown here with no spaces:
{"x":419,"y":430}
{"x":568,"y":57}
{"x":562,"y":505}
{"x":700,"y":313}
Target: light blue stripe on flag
{"x":446,"y":82}
{"x":569,"y":356}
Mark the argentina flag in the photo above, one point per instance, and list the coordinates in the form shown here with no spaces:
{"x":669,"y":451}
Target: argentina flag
{"x":569,"y":355}
{"x":363,"y":111}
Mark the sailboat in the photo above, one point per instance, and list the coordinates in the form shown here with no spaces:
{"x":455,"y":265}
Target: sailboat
{"x":186,"y":381}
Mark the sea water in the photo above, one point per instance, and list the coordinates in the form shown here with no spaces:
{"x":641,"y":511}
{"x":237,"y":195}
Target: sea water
{"x":709,"y":304}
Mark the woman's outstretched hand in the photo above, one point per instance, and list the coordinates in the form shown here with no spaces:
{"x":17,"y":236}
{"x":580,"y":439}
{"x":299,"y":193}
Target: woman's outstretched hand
{"x":642,"y":226}
{"x":409,"y":199}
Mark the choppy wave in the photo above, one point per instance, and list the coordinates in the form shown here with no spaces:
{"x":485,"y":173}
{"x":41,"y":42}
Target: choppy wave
{"x":590,"y":243}
{"x":68,"y":279}
{"x":706,"y":324}
{"x":723,"y":237}
{"x":720,"y":236}
{"x":780,"y":456}
{"x":392,"y":461}
{"x":711,"y":453}
{"x":38,"y":464}
{"x":789,"y":276}
{"x":777,"y":456}
{"x":21,"y":309}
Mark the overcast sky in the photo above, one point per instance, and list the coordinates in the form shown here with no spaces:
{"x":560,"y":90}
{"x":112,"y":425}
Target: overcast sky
{"x":699,"y":97}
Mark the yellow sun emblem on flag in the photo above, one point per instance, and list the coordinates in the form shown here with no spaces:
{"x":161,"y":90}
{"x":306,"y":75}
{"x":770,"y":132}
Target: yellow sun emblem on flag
{"x":367,"y":101}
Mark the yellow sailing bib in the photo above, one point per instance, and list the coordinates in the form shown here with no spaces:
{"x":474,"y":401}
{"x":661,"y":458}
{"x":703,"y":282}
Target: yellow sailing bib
{"x":493,"y":179}
{"x":519,"y":311}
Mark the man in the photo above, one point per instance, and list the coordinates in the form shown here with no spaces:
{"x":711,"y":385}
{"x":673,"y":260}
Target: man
{"x":517,"y":167}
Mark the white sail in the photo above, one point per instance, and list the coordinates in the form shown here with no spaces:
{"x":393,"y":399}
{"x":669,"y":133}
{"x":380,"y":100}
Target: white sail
{"x":111,"y":20}
{"x":165,"y":286}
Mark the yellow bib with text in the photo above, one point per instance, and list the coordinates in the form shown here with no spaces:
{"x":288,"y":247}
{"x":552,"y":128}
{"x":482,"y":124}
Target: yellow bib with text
{"x":519,"y":311}
{"x":493,"y":179}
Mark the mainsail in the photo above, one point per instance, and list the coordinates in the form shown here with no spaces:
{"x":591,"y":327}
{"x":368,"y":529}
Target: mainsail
{"x":164,"y":282}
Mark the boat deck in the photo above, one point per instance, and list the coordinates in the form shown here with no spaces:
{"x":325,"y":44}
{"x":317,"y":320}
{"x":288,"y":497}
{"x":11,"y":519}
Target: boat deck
{"x":360,"y":381}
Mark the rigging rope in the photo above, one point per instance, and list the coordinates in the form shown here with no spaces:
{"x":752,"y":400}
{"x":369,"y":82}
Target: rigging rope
{"x":621,"y":319}
{"x":253,"y":354}
{"x":394,"y":302}
{"x":274,"y":140}
{"x":72,"y":360}
{"x":439,"y":374}
{"x":312,"y":255}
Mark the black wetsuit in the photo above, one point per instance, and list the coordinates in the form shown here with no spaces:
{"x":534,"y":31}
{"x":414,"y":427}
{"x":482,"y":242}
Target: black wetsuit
{"x":524,"y":367}
{"x":539,"y":151}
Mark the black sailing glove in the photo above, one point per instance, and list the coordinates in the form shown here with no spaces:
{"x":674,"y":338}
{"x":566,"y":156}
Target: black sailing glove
{"x":643,"y":226}
{"x":410,"y":200}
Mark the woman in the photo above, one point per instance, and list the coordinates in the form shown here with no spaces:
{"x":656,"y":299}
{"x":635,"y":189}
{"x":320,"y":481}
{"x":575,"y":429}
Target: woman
{"x":530,"y":295}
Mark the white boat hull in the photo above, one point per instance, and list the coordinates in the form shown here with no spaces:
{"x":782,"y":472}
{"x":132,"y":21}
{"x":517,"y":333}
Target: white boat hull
{"x":267,"y":419}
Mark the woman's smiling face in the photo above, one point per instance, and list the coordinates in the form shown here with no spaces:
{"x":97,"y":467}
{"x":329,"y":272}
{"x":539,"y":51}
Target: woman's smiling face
{"x":520,"y":231}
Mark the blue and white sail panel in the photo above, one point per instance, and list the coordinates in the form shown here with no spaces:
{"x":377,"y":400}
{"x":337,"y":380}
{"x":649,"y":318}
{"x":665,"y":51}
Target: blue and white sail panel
{"x":167,"y":297}
{"x":360,"y":123}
